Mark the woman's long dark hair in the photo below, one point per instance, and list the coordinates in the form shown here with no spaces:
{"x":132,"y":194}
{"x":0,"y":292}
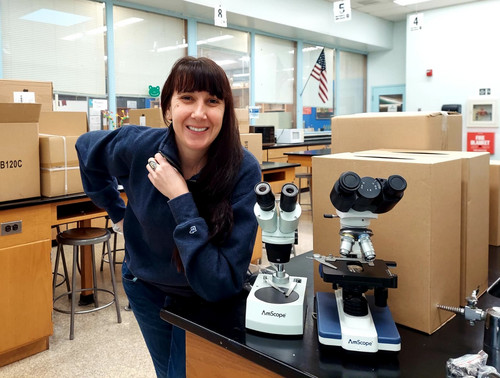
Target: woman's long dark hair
{"x":214,"y":187}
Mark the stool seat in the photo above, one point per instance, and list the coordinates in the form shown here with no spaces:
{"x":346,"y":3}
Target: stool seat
{"x":83,"y":236}
{"x":78,"y":237}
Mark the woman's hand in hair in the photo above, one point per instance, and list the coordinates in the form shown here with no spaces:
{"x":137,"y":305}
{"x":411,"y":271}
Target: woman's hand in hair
{"x":166,"y":178}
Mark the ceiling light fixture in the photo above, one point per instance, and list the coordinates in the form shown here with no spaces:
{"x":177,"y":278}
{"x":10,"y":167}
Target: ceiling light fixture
{"x":409,"y":2}
{"x":214,"y":39}
{"x":54,"y":17}
{"x":225,"y":62}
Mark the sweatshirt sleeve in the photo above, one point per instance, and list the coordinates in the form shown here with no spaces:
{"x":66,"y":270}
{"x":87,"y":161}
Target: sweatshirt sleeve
{"x":218,"y":272}
{"x":102,"y":158}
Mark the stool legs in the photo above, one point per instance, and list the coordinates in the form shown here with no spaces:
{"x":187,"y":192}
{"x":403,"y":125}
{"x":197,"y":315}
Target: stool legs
{"x":113,"y":282}
{"x":73,"y":296}
{"x":60,"y":255}
{"x":107,"y":251}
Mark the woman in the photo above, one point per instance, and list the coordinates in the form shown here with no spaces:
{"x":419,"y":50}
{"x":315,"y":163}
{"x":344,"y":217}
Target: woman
{"x":189,"y":226}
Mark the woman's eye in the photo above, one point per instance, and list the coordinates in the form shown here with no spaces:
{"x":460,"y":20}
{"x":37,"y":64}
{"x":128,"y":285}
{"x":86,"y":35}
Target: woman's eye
{"x":214,"y":101}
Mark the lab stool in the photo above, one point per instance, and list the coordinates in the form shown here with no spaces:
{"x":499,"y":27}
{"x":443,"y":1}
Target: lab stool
{"x":77,"y":237}
{"x":308,"y":177}
{"x":105,"y":252}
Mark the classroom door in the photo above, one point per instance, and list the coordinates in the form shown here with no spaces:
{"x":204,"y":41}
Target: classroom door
{"x":388,"y":98}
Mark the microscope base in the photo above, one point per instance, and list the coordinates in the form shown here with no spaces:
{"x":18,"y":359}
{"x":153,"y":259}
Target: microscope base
{"x":270,"y":311}
{"x":371,"y":333}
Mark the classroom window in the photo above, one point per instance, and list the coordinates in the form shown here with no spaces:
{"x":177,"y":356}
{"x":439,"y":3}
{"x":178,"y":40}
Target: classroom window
{"x":55,"y":40}
{"x":351,"y":83}
{"x":275,"y":81}
{"x":146,"y":47}
{"x":230,"y":49}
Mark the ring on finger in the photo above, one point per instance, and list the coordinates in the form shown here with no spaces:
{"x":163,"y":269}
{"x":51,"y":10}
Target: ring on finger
{"x":152,"y":163}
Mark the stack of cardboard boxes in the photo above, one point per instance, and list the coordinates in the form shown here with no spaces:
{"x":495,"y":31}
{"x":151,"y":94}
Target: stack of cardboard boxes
{"x":38,"y":154}
{"x":59,"y":168}
{"x":438,"y":233}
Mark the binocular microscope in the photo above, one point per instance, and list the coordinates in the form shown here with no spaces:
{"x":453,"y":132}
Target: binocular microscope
{"x":347,"y":317}
{"x":276,"y":302}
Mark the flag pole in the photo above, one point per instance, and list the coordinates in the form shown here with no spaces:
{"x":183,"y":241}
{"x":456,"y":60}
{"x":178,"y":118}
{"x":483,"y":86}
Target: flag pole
{"x":307,"y":81}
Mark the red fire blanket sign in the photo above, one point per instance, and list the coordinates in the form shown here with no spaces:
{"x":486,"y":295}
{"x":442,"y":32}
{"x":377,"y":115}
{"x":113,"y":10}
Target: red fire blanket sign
{"x":481,"y":142}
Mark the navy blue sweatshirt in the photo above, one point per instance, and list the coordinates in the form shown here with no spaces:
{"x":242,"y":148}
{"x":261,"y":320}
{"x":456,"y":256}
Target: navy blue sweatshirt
{"x":154,"y":224}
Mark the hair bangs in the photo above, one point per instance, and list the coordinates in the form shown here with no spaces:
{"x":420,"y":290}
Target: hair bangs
{"x":200,"y":77}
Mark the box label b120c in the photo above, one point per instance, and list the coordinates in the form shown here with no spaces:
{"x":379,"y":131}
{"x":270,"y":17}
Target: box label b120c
{"x":9,"y":164}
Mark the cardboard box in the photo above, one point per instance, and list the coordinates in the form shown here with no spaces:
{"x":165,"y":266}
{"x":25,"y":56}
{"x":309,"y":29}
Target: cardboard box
{"x":408,"y":130}
{"x":60,"y":181}
{"x":474,"y":217}
{"x":243,"y":120}
{"x":19,"y":160}
{"x":153,"y":117}
{"x":20,"y":91}
{"x":58,"y":151}
{"x":494,"y":229}
{"x":59,"y":167}
{"x":421,"y":233}
{"x":253,"y":143}
{"x":63,"y":123}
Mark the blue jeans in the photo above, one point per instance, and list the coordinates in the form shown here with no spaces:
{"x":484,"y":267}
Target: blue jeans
{"x":166,"y":343}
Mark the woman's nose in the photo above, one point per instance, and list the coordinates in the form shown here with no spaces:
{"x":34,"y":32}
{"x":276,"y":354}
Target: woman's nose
{"x":199,"y":110}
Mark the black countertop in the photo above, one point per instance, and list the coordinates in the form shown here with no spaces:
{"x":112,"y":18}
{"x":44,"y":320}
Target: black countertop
{"x":421,"y":355}
{"x":270,"y":165}
{"x":318,"y":152}
{"x":39,"y":201}
{"x":314,"y":142}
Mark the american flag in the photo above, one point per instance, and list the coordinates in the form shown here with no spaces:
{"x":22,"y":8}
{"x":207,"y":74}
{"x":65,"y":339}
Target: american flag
{"x":319,"y":73}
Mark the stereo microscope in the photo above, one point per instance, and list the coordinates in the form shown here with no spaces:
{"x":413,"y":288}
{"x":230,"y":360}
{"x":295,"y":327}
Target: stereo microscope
{"x":348,"y":317}
{"x":276,"y":302}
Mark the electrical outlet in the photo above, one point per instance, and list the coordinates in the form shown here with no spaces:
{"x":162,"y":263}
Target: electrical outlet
{"x":11,"y":228}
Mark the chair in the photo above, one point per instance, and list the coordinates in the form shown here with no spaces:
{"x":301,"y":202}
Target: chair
{"x":77,"y":237}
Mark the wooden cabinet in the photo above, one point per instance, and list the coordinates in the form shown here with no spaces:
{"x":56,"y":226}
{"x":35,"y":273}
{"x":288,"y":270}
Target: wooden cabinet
{"x":204,"y":356}
{"x":26,"y":281}
{"x":26,"y":271}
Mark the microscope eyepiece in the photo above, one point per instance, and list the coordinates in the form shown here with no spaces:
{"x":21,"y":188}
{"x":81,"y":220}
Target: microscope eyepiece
{"x":392,"y":191}
{"x":396,"y":185}
{"x":288,"y":199}
{"x":343,"y":194}
{"x":349,"y":182}
{"x":265,"y":196}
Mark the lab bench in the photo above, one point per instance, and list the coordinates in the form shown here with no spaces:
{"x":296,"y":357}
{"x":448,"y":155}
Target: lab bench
{"x":217,"y":341}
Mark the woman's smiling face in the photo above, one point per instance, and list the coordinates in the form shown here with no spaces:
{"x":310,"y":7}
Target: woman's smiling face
{"x":196,"y":119}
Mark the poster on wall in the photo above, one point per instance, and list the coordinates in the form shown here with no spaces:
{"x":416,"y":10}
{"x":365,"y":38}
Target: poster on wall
{"x":481,"y":142}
